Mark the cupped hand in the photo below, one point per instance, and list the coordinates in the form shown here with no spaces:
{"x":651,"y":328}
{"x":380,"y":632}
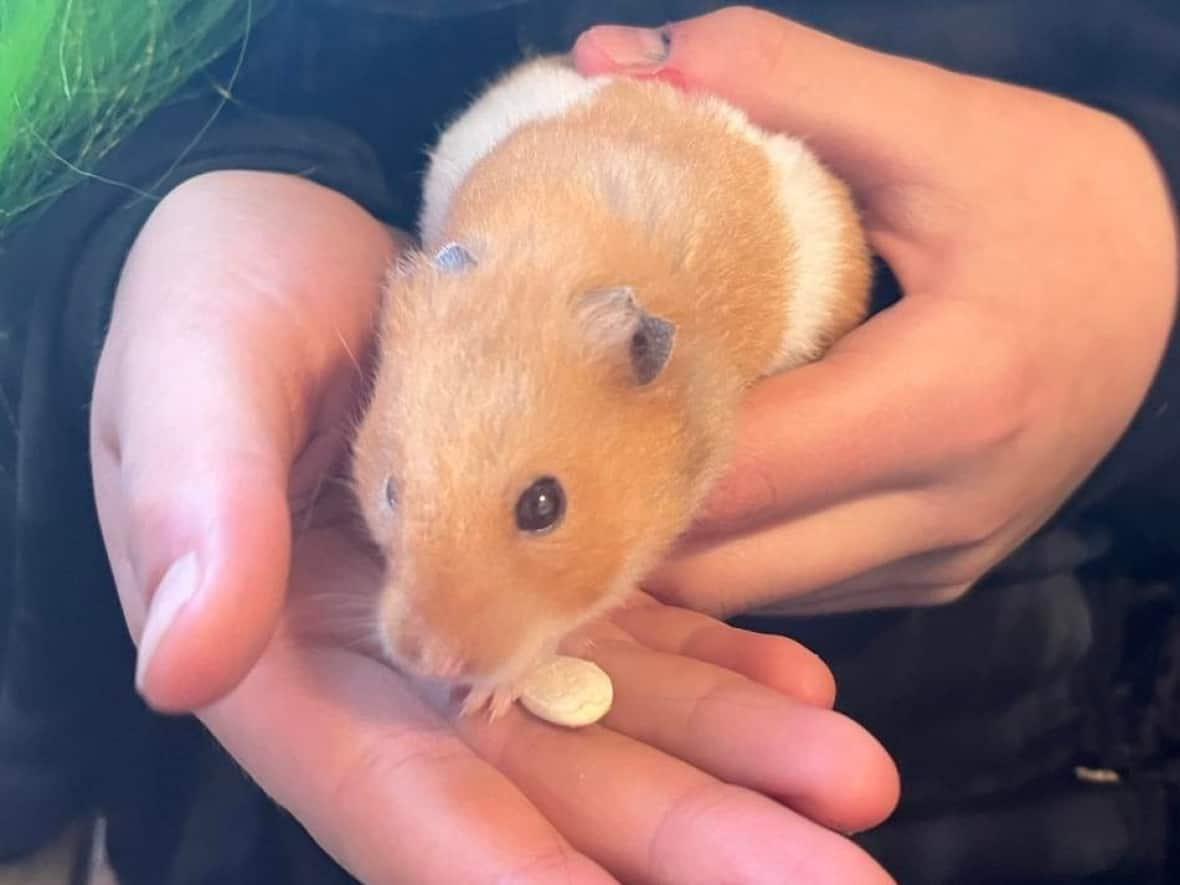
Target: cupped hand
{"x":225,"y":392}
{"x":1034,"y":241}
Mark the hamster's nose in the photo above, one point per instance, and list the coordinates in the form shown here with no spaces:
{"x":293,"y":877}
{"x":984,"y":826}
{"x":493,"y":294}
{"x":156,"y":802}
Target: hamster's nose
{"x":426,"y":656}
{"x":435,"y":636}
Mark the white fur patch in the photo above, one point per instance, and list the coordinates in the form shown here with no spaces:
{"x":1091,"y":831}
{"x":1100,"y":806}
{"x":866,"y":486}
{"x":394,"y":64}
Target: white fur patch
{"x":536,"y":91}
{"x":818,"y":229}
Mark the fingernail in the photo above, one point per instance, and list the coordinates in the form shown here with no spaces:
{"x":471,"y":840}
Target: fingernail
{"x":632,"y":47}
{"x":176,"y":588}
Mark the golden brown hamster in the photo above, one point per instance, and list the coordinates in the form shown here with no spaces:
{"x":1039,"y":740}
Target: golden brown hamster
{"x":606,"y":265}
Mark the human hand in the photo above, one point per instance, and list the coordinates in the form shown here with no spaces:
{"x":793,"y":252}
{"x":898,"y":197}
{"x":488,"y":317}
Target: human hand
{"x":225,"y":388}
{"x":1034,"y":242}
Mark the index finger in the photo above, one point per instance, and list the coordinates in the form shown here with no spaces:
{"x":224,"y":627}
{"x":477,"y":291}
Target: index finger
{"x":875,"y":117}
{"x":212,"y":377}
{"x":875,"y":415}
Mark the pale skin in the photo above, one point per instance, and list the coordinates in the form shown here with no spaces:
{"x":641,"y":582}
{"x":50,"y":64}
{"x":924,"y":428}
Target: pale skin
{"x":218,"y":410}
{"x":1036,"y":246}
{"x":222,"y":384}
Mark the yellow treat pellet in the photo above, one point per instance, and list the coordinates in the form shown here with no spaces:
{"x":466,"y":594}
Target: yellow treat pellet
{"x":568,"y":691}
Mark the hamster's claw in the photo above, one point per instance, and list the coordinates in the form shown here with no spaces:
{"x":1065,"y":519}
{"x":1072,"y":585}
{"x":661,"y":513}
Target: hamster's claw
{"x":494,"y":700}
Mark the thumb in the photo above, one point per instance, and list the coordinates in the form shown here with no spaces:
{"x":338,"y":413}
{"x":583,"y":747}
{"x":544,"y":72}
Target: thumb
{"x":199,"y":542}
{"x":871,"y":116}
{"x":192,"y":502}
{"x":215,"y":379}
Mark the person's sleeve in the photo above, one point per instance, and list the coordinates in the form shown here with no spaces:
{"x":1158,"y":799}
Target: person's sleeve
{"x":67,"y":703}
{"x":1146,"y":461}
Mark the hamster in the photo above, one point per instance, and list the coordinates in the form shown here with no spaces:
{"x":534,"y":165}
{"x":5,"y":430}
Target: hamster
{"x":606,"y":265}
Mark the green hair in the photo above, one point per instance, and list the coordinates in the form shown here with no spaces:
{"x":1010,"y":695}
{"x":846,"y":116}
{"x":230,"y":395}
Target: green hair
{"x":77,"y":75}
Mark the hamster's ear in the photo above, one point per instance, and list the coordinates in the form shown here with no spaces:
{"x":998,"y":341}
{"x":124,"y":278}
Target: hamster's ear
{"x":453,"y":258}
{"x":614,"y":323}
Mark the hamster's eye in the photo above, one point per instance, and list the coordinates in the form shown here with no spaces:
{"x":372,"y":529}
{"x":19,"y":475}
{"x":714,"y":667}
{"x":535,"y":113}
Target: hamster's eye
{"x":541,"y":506}
{"x":391,"y":493}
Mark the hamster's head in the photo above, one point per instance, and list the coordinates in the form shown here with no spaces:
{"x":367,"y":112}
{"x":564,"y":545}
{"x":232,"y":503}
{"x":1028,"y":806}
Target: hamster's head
{"x":522,"y":461}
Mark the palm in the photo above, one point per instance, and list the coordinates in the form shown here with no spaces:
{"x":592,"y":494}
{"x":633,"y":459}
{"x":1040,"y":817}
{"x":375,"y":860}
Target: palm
{"x":199,"y":412}
{"x":686,"y":736}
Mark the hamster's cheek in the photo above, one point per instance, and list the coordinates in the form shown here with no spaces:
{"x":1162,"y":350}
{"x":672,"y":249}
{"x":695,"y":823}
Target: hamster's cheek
{"x":401,"y":639}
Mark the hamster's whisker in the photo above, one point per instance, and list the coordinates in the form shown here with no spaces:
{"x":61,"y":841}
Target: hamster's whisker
{"x":348,"y":350}
{"x":309,"y":511}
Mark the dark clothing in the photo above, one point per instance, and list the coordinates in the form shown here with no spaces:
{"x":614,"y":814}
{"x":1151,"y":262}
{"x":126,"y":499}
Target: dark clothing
{"x":1067,"y":655}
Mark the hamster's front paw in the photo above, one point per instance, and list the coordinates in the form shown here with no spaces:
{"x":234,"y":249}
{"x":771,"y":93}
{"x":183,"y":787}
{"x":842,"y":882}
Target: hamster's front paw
{"x":495,"y":700}
{"x":561,"y":690}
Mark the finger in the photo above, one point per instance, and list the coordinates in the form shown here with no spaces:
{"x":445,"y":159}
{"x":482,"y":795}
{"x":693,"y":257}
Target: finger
{"x":670,"y":823}
{"x":774,"y":661}
{"x":209,"y":383}
{"x":923,"y":579}
{"x":818,"y":762}
{"x":374,"y":773}
{"x":935,"y":577}
{"x":840,"y":601}
{"x":381,"y":781}
{"x":228,"y":540}
{"x":918,"y":436}
{"x":793,"y":557}
{"x":874,"y":117}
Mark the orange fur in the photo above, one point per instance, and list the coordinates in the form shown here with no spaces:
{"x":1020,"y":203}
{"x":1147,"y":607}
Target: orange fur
{"x":487,"y":380}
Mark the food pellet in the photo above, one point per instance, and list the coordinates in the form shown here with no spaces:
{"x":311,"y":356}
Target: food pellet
{"x":568,"y":691}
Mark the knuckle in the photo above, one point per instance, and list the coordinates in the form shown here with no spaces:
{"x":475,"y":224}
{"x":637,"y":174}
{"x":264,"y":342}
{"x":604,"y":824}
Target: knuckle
{"x":960,"y":573}
{"x":970,"y":528}
{"x":959,"y":508}
{"x":924,"y":595}
{"x":764,"y":33}
{"x":1003,"y":403}
{"x":997,"y":393}
{"x":744,"y":495}
{"x":691,"y":584}
{"x":958,"y":568}
{"x":745,"y":15}
{"x":933,"y":589}
{"x":950,"y":593}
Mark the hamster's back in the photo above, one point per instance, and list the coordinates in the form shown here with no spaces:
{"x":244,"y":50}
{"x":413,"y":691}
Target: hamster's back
{"x":606,"y":265}
{"x":638,"y":179}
